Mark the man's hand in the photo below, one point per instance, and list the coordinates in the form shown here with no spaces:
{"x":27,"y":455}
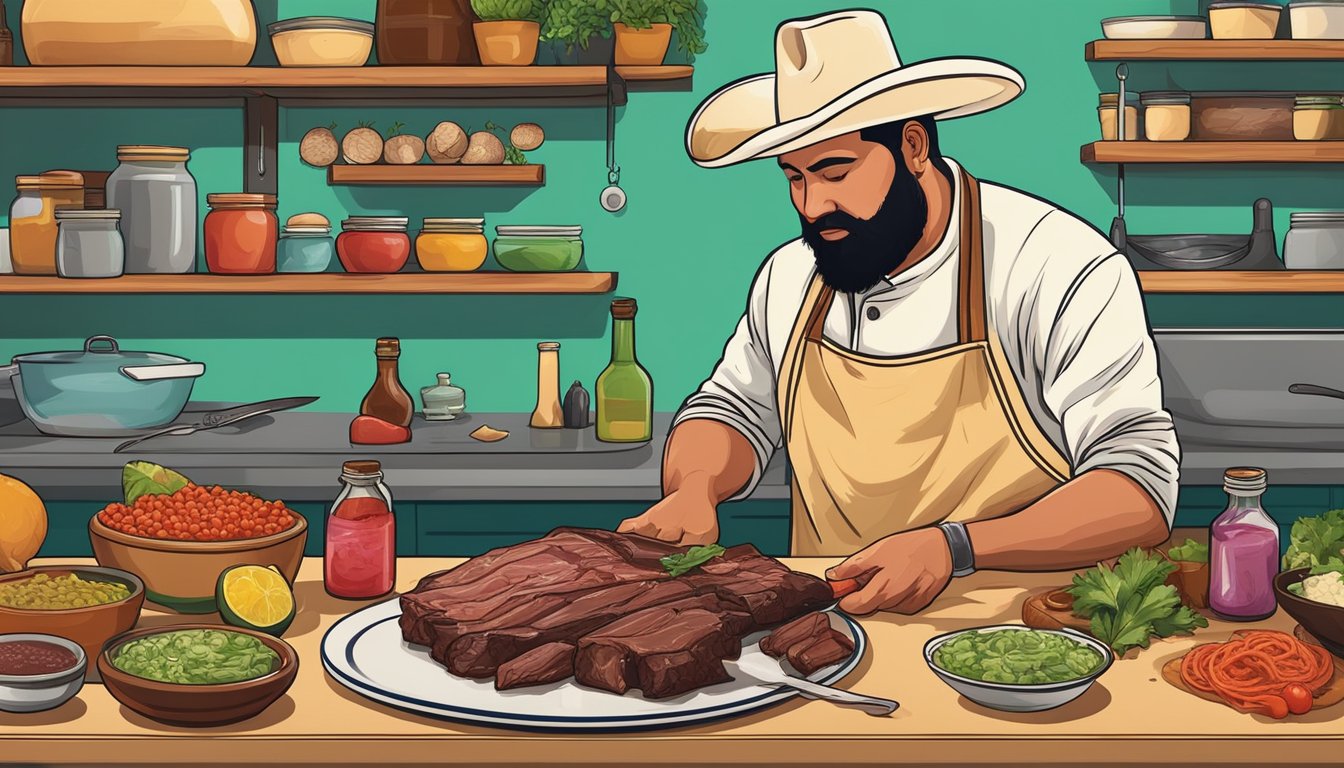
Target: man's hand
{"x":682,"y":517}
{"x":903,"y":572}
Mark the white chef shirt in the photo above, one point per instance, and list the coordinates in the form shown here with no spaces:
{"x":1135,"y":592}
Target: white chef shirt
{"x":1065,"y":304}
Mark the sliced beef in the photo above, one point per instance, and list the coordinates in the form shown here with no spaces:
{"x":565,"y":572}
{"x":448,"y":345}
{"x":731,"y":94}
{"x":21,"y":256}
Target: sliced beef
{"x":812,"y":654}
{"x":809,"y":627}
{"x":549,"y":663}
{"x":664,"y":651}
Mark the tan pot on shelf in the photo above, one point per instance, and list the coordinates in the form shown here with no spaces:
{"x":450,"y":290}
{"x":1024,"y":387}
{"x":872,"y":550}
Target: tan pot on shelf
{"x":507,"y":43}
{"x":641,"y":47}
{"x":168,"y":33}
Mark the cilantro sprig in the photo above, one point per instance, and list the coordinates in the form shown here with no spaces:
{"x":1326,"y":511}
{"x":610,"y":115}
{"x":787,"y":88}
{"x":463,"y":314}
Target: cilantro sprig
{"x":1130,"y":603}
{"x":692,"y":558}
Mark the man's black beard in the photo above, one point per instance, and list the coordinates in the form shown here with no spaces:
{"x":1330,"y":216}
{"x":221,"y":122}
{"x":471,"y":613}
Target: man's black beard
{"x":875,"y":247}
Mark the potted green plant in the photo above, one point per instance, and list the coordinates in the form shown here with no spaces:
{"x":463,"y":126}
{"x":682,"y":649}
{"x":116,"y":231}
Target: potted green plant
{"x":643,"y":29}
{"x":1191,"y":577}
{"x":508,"y":31}
{"x":579,"y":31}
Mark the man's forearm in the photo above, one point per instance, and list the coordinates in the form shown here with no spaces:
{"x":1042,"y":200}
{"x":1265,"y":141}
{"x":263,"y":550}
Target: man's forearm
{"x":707,"y":456}
{"x":1093,"y":517}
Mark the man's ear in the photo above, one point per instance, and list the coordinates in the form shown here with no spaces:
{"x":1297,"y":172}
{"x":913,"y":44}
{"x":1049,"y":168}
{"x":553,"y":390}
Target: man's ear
{"x":915,"y":147}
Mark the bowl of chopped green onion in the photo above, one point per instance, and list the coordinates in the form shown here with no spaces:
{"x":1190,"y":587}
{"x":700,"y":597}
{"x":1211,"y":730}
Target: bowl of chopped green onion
{"x":197,"y":674}
{"x":1013,"y":668}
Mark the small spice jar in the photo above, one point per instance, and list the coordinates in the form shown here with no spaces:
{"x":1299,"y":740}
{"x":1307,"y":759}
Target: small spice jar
{"x":1318,"y":118}
{"x":1315,"y":240}
{"x":305,"y":244}
{"x":241,"y":232}
{"x":1166,"y":115}
{"x":32,"y":219}
{"x":89,"y":243}
{"x":374,"y":244}
{"x":451,"y":245}
{"x":443,"y":401}
{"x":1110,"y":122}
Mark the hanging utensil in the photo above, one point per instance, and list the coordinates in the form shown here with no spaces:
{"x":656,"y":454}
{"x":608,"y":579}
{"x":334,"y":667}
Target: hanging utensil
{"x":1118,"y":233}
{"x":216,"y":419}
{"x":613,"y":197}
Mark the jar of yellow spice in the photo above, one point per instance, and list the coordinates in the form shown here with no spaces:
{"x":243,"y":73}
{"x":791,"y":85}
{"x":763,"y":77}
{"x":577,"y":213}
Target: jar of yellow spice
{"x":1166,"y":115}
{"x":1107,"y":112}
{"x":1318,"y":118}
{"x":451,"y":245}
{"x":32,"y":219}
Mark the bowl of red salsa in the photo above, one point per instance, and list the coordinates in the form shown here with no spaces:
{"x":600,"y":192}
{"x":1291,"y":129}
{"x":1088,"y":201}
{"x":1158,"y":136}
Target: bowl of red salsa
{"x":39,"y":672}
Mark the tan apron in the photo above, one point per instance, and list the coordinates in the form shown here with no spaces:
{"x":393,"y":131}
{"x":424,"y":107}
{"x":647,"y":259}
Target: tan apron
{"x":881,"y":445}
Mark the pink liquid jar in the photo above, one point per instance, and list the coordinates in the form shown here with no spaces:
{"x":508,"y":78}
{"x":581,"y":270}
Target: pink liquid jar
{"x":361,"y":552}
{"x":1243,"y":550}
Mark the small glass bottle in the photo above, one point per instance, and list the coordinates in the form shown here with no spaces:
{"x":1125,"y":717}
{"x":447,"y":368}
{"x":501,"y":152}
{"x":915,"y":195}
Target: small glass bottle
{"x":624,"y":391}
{"x":548,"y":413}
{"x":360,"y":560}
{"x":443,"y":401}
{"x":387,"y":399}
{"x":1244,"y":550}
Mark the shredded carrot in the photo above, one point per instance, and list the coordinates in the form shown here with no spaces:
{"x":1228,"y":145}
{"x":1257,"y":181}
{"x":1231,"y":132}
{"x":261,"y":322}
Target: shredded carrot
{"x":1251,"y":671}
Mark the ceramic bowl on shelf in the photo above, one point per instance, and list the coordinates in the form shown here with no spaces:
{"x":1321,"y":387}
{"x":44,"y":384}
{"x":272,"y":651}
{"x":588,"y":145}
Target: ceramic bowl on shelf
{"x":1323,"y":621}
{"x":321,"y":41}
{"x":182,"y":575}
{"x":1155,"y":28}
{"x":37,"y":693}
{"x":182,"y":33}
{"x":198,"y":704}
{"x":90,"y":626}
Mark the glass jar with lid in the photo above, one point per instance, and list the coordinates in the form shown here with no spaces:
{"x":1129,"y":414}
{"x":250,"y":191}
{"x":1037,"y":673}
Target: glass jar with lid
{"x":89,"y":243}
{"x":360,"y":557}
{"x":443,"y":401}
{"x":451,"y":245}
{"x":32,"y":219}
{"x":241,"y":231}
{"x":1166,"y":115}
{"x":1107,"y":113}
{"x":538,"y":248}
{"x":156,"y":195}
{"x":305,"y":244}
{"x":1315,"y":240}
{"x":374,"y":244}
{"x":1318,"y":117}
{"x":1243,"y":550}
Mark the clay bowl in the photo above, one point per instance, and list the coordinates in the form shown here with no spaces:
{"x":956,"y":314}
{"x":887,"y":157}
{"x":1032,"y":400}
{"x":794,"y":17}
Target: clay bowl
{"x":198,"y":705}
{"x":1324,"y":622}
{"x":89,"y":627}
{"x":181,"y":575}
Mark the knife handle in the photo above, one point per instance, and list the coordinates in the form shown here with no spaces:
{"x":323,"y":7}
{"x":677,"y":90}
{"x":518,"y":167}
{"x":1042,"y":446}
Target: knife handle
{"x":844,"y":587}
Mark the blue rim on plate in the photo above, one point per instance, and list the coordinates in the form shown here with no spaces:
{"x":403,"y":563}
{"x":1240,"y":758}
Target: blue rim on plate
{"x":523,"y":721}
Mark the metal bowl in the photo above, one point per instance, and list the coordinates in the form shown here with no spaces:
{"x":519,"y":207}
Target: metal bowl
{"x":37,"y":693}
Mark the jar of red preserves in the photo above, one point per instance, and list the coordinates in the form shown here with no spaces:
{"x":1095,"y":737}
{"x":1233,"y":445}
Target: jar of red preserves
{"x":241,"y":232}
{"x":376,"y":244}
{"x":360,"y":561}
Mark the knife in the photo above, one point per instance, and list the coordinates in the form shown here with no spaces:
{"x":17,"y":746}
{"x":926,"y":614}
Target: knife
{"x":214,"y":419}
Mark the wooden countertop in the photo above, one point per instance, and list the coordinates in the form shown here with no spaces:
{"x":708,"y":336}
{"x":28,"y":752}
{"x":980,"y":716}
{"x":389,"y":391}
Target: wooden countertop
{"x":1130,"y":716}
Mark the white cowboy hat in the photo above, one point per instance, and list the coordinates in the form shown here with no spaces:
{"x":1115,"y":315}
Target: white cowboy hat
{"x":835,"y":74}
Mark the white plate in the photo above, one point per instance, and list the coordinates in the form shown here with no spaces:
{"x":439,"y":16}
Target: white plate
{"x":365,"y":652}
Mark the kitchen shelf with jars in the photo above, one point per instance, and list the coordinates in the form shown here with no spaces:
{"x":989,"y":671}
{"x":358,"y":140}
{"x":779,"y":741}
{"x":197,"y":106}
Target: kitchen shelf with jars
{"x":1232,"y":128}
{"x":117,"y":235}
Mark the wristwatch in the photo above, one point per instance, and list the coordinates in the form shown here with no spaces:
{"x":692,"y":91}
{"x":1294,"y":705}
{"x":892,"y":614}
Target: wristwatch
{"x":959,"y":543}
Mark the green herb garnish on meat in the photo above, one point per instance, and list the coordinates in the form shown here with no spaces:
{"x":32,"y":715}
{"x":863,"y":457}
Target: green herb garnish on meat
{"x":694,"y":557}
{"x":1130,"y":603}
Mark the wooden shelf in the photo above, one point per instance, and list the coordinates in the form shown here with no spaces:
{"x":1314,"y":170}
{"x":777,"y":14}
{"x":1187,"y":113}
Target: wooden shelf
{"x":376,"y":82}
{"x":1213,"y":152}
{"x":1215,"y":50}
{"x":330,"y":283}
{"x":1213,"y":281}
{"x":531,"y":174}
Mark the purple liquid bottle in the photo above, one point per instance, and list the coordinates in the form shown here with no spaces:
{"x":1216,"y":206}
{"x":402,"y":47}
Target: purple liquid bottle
{"x":1243,"y":550}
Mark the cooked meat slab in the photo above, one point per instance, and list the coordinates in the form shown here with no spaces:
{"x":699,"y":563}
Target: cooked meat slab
{"x":511,"y":613}
{"x":813,"y":654}
{"x":810,"y":627}
{"x":549,"y":663}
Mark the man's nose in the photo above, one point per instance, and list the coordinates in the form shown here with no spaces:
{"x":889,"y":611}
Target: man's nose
{"x":815,"y":204}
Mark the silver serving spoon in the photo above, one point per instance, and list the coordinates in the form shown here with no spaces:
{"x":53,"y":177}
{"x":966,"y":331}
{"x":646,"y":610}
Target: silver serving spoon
{"x":768,"y":671}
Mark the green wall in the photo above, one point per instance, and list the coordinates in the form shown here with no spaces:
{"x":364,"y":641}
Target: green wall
{"x":690,"y":240}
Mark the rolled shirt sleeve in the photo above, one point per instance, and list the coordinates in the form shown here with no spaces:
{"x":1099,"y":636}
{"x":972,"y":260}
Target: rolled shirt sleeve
{"x":741,"y":390}
{"x":1099,"y":377}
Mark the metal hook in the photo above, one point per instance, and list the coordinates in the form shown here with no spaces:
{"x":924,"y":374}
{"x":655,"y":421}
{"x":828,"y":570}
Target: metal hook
{"x":261,"y":153}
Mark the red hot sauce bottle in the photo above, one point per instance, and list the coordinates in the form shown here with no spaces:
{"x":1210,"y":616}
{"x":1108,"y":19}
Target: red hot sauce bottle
{"x":360,"y":559}
{"x":385,"y":413}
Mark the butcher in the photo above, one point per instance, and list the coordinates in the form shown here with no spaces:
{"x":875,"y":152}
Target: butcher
{"x":961,"y":373}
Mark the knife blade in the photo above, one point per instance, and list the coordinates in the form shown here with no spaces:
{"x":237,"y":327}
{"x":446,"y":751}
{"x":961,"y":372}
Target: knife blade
{"x":215,"y":419}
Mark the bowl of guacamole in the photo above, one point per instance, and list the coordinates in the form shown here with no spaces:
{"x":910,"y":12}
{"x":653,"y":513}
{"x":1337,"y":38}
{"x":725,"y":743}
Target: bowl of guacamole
{"x":1013,"y":668}
{"x":197,"y":674}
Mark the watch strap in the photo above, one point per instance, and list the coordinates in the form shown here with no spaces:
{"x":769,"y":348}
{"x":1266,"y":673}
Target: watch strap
{"x":959,"y":544}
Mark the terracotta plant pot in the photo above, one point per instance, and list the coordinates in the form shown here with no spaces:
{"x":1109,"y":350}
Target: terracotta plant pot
{"x":1191,"y":581}
{"x":507,"y":43}
{"x":139,"y":32}
{"x":641,"y":47}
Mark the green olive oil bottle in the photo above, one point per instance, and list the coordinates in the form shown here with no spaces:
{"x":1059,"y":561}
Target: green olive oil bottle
{"x":624,"y":391}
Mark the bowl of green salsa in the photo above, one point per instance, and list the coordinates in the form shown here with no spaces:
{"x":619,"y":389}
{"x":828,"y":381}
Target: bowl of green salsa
{"x":1013,"y":668}
{"x":197,"y":674}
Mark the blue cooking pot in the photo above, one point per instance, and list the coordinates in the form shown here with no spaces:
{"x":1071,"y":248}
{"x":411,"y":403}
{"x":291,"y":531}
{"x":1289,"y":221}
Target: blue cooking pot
{"x":101,"y":390}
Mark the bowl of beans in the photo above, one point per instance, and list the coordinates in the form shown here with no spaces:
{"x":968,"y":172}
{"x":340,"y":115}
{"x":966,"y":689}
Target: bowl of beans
{"x":38,"y":671}
{"x":197,"y":674}
{"x":83,"y":603}
{"x":179,"y":543}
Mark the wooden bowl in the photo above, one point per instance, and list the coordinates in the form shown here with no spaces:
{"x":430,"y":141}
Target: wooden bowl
{"x":1324,"y":622}
{"x":89,"y":627}
{"x":198,"y":705}
{"x":181,"y":575}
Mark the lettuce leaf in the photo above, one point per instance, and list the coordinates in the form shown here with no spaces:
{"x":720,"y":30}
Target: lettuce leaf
{"x":1131,"y":602}
{"x":1315,"y":540}
{"x":143,"y":478}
